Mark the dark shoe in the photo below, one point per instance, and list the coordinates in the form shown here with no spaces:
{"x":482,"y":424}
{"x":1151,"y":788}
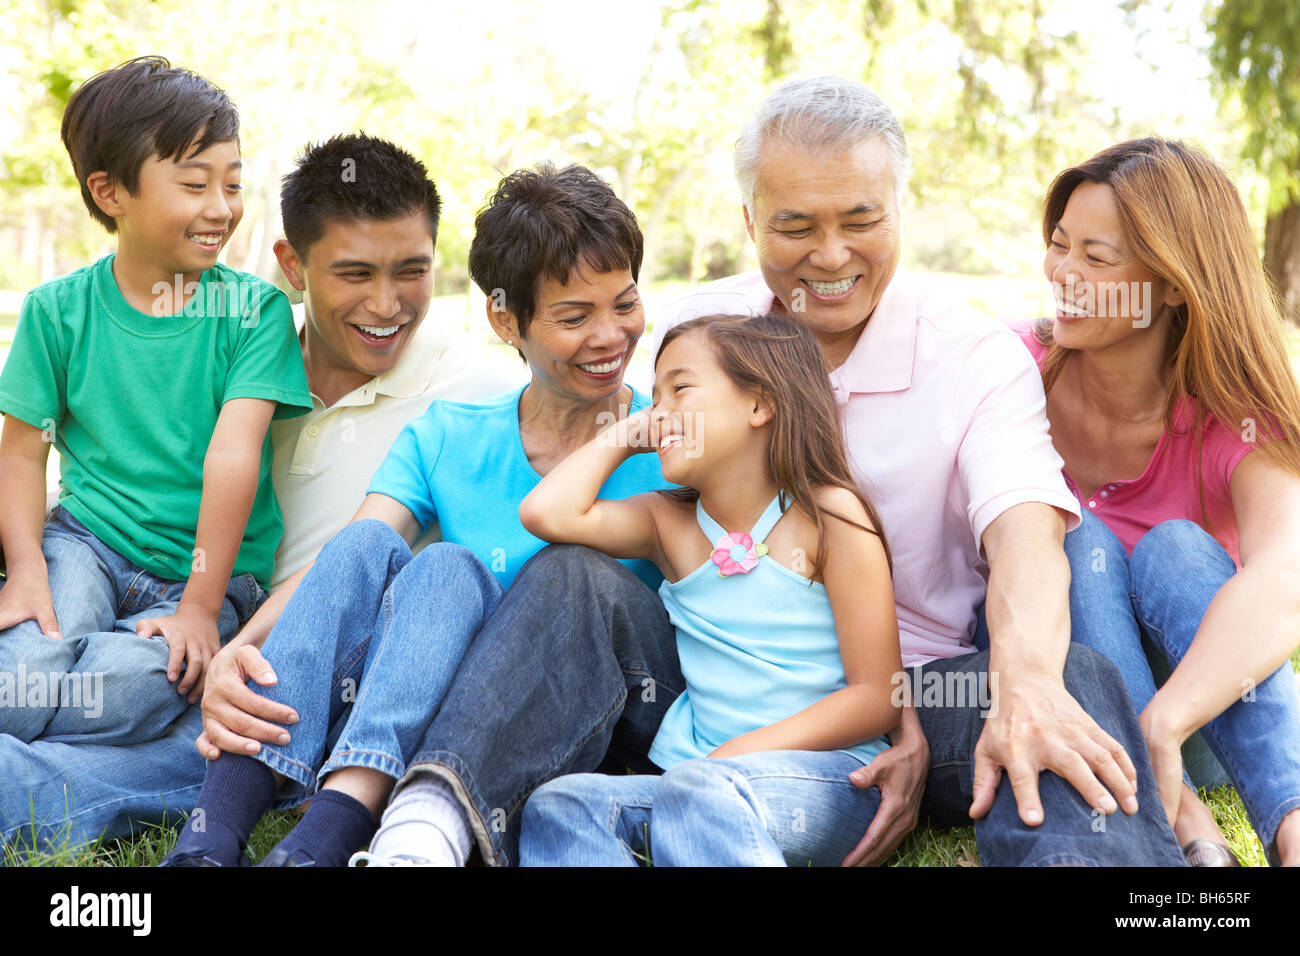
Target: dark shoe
{"x":280,"y":857}
{"x":197,"y":858}
{"x":1209,"y":853}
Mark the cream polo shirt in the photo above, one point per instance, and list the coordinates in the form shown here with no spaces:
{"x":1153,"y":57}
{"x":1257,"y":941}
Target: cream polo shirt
{"x":946,"y":427}
{"x":323,"y":461}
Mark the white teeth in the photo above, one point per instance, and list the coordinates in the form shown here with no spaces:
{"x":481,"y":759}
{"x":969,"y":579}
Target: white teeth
{"x":838,"y":287}
{"x":379,"y":331}
{"x":669,"y":440}
{"x":1069,"y":309}
{"x":205,"y":239}
{"x":603,"y":369}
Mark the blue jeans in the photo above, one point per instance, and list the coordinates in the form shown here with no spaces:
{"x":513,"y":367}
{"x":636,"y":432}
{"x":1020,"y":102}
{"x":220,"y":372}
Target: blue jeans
{"x":1072,"y":833}
{"x":582,"y":661}
{"x":573,"y":673}
{"x":75,"y":793}
{"x":1162,"y":593}
{"x":365,"y":650}
{"x":80,"y":716}
{"x":779,"y":808}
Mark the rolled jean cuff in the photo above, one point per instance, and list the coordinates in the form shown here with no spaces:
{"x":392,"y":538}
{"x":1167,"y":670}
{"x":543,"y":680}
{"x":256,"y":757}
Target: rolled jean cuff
{"x":451,"y":770}
{"x":384,"y":763}
{"x":302,"y":779}
{"x":1269,"y":836}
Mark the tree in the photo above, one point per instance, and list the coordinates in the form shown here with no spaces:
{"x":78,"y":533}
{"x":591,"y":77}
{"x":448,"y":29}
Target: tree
{"x":1255,"y":54}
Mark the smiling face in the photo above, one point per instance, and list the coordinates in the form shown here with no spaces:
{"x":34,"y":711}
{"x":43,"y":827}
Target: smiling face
{"x":694,"y":398}
{"x":366,"y":287}
{"x":582,"y":333}
{"x":826,"y":227}
{"x":1104,"y":294}
{"x":182,"y":213}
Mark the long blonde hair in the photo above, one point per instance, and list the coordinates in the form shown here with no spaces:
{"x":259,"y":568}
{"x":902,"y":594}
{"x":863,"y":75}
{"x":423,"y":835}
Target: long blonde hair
{"x":1184,"y":221}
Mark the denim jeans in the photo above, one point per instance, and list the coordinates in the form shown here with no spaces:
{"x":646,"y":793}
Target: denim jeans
{"x":778,"y":808}
{"x":1072,"y":833}
{"x":95,"y":736}
{"x":100,"y":683}
{"x":1162,"y":593}
{"x":365,"y":650}
{"x":575,"y":670}
{"x":582,"y":660}
{"x":74,"y":793}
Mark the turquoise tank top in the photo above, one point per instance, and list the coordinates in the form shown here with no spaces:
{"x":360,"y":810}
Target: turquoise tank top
{"x":755,"y":648}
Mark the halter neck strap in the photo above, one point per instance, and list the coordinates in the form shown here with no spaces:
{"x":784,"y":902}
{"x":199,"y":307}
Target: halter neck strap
{"x":762,"y":527}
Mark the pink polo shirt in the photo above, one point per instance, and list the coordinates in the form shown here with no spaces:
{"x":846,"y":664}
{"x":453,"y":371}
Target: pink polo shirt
{"x":1167,"y":488}
{"x":946,"y":427}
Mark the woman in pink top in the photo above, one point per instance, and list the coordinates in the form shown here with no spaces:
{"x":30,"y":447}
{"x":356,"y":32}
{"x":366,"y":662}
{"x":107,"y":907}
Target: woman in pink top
{"x":1175,"y":410}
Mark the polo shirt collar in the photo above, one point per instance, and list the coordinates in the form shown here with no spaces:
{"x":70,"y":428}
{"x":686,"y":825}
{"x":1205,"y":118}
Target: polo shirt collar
{"x":409,"y":378}
{"x":885,"y":352}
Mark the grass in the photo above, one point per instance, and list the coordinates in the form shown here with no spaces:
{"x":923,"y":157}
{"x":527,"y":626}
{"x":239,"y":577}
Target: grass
{"x":925,"y":846}
{"x":148,"y":847}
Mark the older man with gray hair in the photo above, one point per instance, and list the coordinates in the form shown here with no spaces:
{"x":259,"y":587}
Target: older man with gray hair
{"x":944,"y":417}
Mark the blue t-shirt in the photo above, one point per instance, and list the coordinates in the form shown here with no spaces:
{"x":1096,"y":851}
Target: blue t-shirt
{"x":464,"y":465}
{"x":755,"y":646}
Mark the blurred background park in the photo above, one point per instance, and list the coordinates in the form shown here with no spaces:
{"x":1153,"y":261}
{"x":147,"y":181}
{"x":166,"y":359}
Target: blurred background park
{"x":996,"y":96}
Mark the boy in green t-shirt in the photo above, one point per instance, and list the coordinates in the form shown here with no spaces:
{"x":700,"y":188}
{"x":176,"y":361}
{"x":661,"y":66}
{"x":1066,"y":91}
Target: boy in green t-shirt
{"x":156,"y":373}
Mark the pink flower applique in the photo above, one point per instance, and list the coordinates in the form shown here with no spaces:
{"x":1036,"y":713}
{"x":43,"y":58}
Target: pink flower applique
{"x":736,"y":553}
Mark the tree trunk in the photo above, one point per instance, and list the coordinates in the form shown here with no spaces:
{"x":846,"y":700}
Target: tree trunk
{"x":1282,"y":257}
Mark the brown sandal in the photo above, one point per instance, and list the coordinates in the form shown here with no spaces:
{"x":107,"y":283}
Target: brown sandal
{"x":1209,"y":853}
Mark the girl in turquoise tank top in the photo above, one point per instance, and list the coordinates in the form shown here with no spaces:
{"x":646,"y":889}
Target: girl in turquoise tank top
{"x":777,"y":581}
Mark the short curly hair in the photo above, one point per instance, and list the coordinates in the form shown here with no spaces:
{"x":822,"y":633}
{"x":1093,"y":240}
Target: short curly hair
{"x":547,"y":223}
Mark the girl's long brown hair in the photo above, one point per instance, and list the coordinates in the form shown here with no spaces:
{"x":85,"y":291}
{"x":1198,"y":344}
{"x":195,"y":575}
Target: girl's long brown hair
{"x":779,"y":358}
{"x":1184,"y":220}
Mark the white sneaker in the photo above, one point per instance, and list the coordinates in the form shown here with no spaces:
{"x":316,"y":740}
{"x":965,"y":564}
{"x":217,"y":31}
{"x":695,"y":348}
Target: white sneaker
{"x":365,"y":858}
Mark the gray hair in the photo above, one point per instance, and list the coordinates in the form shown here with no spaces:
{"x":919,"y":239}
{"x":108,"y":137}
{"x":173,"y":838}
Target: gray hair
{"x":819,"y":113}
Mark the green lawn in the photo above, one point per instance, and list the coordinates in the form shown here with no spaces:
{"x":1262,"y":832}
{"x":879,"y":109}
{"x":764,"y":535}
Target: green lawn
{"x":927,"y":846}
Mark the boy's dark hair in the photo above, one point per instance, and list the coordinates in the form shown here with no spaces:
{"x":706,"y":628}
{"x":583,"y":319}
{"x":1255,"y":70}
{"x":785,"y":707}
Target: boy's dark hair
{"x":349,"y":178}
{"x":121,"y":118}
{"x":550,"y":222}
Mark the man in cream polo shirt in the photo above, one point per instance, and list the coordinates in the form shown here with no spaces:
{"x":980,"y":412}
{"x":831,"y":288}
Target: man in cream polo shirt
{"x":360,"y":249}
{"x":324,"y":461}
{"x":945,"y":426}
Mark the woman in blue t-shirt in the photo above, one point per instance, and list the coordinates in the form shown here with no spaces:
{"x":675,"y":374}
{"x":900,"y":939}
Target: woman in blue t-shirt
{"x":371,"y":637}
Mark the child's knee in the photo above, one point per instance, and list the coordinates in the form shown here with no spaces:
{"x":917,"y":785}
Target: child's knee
{"x":123,"y":694}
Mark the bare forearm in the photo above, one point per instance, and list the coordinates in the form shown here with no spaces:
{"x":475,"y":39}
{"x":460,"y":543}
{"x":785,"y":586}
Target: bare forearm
{"x":842,"y":719}
{"x":1028,"y":609}
{"x":229,"y":487}
{"x":1249,"y":630}
{"x":22,"y":518}
{"x":556,"y":508}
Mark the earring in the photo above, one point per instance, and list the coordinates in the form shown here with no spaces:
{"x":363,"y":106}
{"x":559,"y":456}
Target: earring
{"x":510,"y":341}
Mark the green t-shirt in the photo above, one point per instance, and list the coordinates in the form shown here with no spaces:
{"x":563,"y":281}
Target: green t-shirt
{"x":131,"y":400}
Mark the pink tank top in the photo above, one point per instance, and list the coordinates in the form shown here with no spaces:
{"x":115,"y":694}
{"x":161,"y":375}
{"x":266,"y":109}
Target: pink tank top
{"x":1167,"y":489}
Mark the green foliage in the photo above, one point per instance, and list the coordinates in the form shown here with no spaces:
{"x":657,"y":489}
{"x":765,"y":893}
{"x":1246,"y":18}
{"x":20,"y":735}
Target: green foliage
{"x":996,"y":97}
{"x":1256,"y":58}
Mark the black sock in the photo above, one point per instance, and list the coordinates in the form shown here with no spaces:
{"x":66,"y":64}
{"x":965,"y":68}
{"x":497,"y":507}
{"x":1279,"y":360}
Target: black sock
{"x":237,"y":790}
{"x":333,"y":828}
